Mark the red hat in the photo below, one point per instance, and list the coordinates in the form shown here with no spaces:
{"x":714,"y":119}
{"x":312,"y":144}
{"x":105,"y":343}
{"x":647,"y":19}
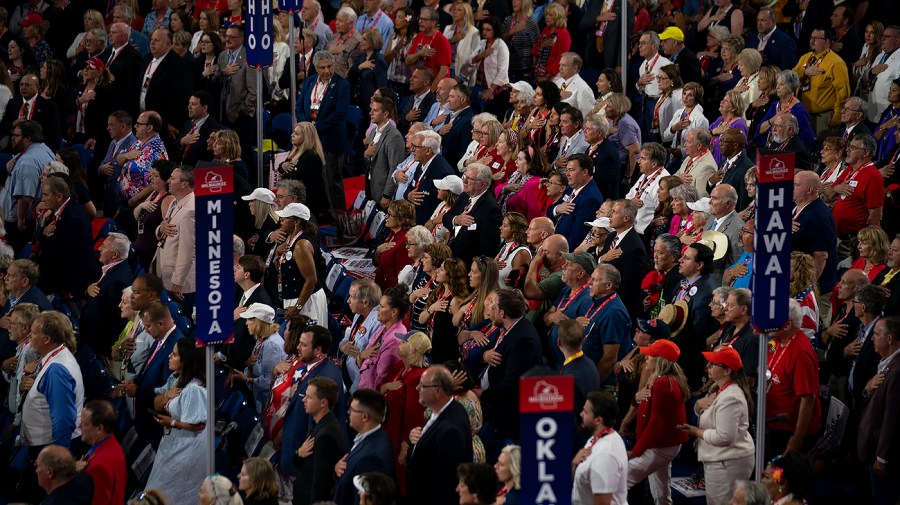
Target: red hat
{"x":32,"y":19}
{"x":97,"y":64}
{"x":725,"y":356}
{"x":662,"y":348}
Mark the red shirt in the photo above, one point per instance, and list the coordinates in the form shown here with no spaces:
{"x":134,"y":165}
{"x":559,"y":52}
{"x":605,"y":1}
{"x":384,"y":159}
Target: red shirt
{"x":851,"y":214}
{"x":658,"y":416}
{"x":443,"y":56}
{"x":392,"y":261}
{"x":795,"y":372}
{"x":562,"y":45}
{"x":106,"y":466}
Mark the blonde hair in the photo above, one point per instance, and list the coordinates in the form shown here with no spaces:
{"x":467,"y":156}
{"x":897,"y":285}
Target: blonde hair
{"x":261,"y":211}
{"x":469,"y":16}
{"x":494,"y":130}
{"x":514,"y":453}
{"x":96,"y":17}
{"x":280,"y":33}
{"x":309,"y":141}
{"x":231,"y":143}
{"x":665,"y":368}
{"x":527,"y":8}
{"x":736,"y":100}
{"x":414,"y":357}
{"x":555,"y":15}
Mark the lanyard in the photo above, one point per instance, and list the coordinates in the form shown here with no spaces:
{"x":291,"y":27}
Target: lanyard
{"x":591,"y":313}
{"x":776,"y":357}
{"x":690,"y":166}
{"x":574,"y":294}
{"x":308,"y":371}
{"x":600,"y":435}
{"x":647,"y":182}
{"x":374,"y":22}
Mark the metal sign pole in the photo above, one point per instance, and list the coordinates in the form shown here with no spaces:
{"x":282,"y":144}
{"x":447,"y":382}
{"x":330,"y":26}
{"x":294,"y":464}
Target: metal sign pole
{"x":761,"y":406}
{"x":623,"y":19}
{"x":260,"y":154}
{"x":293,"y":61}
{"x":210,"y":410}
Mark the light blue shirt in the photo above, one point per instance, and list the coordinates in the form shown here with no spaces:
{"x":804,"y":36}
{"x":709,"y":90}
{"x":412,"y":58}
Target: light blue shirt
{"x":25,"y":180}
{"x":743,"y":281}
{"x":369,"y":327}
{"x":381,"y":21}
{"x":401,"y":186}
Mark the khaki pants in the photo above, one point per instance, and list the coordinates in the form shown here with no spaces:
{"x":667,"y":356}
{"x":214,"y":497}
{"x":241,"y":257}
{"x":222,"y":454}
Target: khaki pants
{"x":655,"y":465}
{"x":721,"y":477}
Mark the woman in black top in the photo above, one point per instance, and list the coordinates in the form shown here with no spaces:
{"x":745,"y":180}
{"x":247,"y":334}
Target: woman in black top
{"x":305,"y":163}
{"x":206,"y":72}
{"x":257,"y":483}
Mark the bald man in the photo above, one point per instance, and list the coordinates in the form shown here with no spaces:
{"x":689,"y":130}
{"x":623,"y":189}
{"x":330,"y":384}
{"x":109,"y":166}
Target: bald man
{"x":31,"y":105}
{"x":734,"y":166}
{"x":815,"y":234}
{"x":538,"y":230}
{"x":544,"y":282}
{"x":843,"y":330}
{"x":440,"y":110}
{"x":58,"y":477}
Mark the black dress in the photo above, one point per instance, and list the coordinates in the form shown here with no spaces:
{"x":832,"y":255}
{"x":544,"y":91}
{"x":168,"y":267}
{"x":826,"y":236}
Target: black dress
{"x":311,"y":172}
{"x":444,"y":345}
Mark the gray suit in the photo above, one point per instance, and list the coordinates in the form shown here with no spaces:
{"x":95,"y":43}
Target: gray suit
{"x":238,"y":90}
{"x":575,"y":145}
{"x":389,"y":152}
{"x":731,"y":227}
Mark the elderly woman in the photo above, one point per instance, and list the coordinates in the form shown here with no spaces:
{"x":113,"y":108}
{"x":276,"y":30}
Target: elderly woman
{"x":725,"y":445}
{"x":268,"y":352}
{"x":789,"y":479}
{"x":595,"y":241}
{"x":608,"y":82}
{"x":463,"y":36}
{"x":257,"y":482}
{"x":669,"y":102}
{"x":381,"y":354}
{"x":731,"y":108}
{"x":301,"y":266}
{"x":710,"y":60}
{"x":417,"y":238}
{"x":750,"y":182}
{"x":514,"y":253}
{"x":391,"y":256}
{"x":509,"y":473}
{"x":218,"y":490}
{"x":685,"y":119}
{"x":449,"y":188}
{"x":873,"y":251}
{"x":717,"y":312}
{"x":832,"y":156}
{"x":262,"y":207}
{"x":91,"y":19}
{"x":699,"y":217}
{"x":555,"y":40}
{"x":728,"y":76}
{"x":523,"y":192}
{"x":787,"y":83}
{"x":681,"y":214}
{"x":487,"y":137}
{"x":445,"y":299}
{"x":433,"y":256}
{"x":368,"y":71}
{"x":625,"y":134}
{"x":749,"y":62}
{"x":521,"y":97}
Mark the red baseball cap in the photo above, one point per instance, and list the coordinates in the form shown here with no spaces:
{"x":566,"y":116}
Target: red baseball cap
{"x":32,"y":19}
{"x":725,"y":356}
{"x":662,"y":348}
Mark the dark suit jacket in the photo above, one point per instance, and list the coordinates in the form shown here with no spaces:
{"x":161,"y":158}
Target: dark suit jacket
{"x":45,"y":113}
{"x":587,"y":378}
{"x":572,"y":225}
{"x":169,"y":90}
{"x":631,"y":265}
{"x":700,"y":325}
{"x":153,"y":375}
{"x":801,"y":152}
{"x":521,"y":351}
{"x":607,"y":170}
{"x":780,"y":50}
{"x":454,"y":143}
{"x":735,"y":177}
{"x":437,"y":169}
{"x":331,"y":119}
{"x":878,"y":428}
{"x":66,"y":258}
{"x":297,"y":421}
{"x":100,"y":323}
{"x":127,"y":70}
{"x":33,"y":295}
{"x":485,"y":237}
{"x":689,"y":64}
{"x":198,"y":150}
{"x":285,"y":81}
{"x":865,"y":369}
{"x":372,"y":454}
{"x":315,"y":480}
{"x":431,"y":471}
{"x":240,"y":349}
{"x":407,"y":105}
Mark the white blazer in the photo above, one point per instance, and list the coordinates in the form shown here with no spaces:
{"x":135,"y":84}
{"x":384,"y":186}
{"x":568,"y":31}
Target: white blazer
{"x":698,"y":120}
{"x":496,"y":65}
{"x":466,"y":48}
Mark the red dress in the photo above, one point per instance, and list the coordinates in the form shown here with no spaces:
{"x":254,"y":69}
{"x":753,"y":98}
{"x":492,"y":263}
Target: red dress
{"x":404,"y":412}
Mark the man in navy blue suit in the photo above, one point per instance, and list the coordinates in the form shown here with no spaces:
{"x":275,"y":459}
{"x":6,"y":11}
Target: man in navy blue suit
{"x":100,"y":322}
{"x":324,"y":102}
{"x":430,"y":166}
{"x":371,"y":450}
{"x":777,"y":48}
{"x":158,"y":323}
{"x":581,"y":201}
{"x":314,"y":344}
{"x":457,"y":132}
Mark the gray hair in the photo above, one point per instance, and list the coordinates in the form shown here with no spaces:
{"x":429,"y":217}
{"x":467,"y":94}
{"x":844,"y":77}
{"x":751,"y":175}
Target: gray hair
{"x":743,"y":297}
{"x":611,"y":274}
{"x":55,"y":167}
{"x":868,"y":142}
{"x":860,"y":104}
{"x":323,"y":56}
{"x":719,"y":32}
{"x":599,"y":122}
{"x":789,"y":78}
{"x":431,"y":140}
{"x":527,"y":95}
{"x":576,"y":59}
{"x":58,"y":186}
{"x":484,"y":173}
{"x":347,"y":12}
{"x":121,"y":244}
{"x":686,"y":192}
{"x":702,"y":136}
{"x":367,"y":291}
{"x":654,"y":37}
{"x":482,"y":118}
{"x":293,"y":186}
{"x":421,"y":127}
{"x":772,"y":14}
{"x":872,"y":297}
{"x":792,"y":123}
{"x":721,"y":293}
{"x":420,"y":235}
{"x":629,"y":209}
{"x":729,"y":194}
{"x":101,"y":35}
{"x":795,"y":313}
{"x":126,"y":12}
{"x":671,"y":243}
{"x":755,"y":493}
{"x":237,"y":246}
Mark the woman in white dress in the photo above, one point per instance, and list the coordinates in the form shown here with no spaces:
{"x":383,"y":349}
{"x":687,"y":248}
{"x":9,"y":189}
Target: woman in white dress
{"x":180,"y":463}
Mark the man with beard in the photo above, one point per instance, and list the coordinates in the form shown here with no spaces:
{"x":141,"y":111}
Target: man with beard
{"x":573,"y":301}
{"x":785,"y":139}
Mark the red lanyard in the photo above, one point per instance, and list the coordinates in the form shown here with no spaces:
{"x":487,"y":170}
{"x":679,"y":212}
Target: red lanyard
{"x":308,"y":371}
{"x":572,"y":298}
{"x":355,"y":330}
{"x":648,"y":66}
{"x":693,"y":160}
{"x":590,"y":314}
{"x":374,"y":22}
{"x":724,"y":386}
{"x":600,"y":435}
{"x":786,"y":108}
{"x":500,"y":338}
{"x":508,"y":248}
{"x":647,"y":182}
{"x":776,"y":357}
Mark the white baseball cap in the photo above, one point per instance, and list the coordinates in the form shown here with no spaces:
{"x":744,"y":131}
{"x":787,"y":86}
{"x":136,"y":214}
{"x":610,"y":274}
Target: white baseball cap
{"x":259,"y":311}
{"x":701,"y":205}
{"x":451,"y":183}
{"x":261,"y":194}
{"x":600,"y":222}
{"x":294,"y":210}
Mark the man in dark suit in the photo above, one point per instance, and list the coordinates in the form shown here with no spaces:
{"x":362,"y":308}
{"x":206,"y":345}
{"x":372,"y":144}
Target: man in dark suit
{"x":166,"y":83}
{"x":868,"y":305}
{"x":696,"y":291}
{"x":248,"y":275}
{"x":304,"y":48}
{"x":723,"y":218}
{"x":238,"y":98}
{"x":65,"y":248}
{"x":371,"y":451}
{"x":581,"y":202}
{"x":100,"y":323}
{"x":314,"y":344}
{"x":431,"y":166}
{"x":457,"y":131}
{"x":734,"y":167}
{"x":125,"y":64}
{"x":778,"y":48}
{"x":853,"y":116}
{"x":30,"y":105}
{"x":324,"y":102}
{"x":416,"y":106}
{"x":579,"y":366}
{"x":441,"y":444}
{"x":385,"y":150}
{"x":672,"y":45}
{"x":158,"y":323}
{"x":625,"y":250}
{"x":315,"y":468}
{"x":513,"y":354}
{"x":193,"y":138}
{"x":474,"y":220}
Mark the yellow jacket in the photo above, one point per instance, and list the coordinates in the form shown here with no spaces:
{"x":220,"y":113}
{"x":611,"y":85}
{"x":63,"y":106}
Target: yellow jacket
{"x":827,"y":91}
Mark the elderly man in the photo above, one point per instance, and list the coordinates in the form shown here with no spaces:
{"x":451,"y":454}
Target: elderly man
{"x":430,"y":47}
{"x":625,"y":250}
{"x":699,"y":165}
{"x":124,"y":14}
{"x":397,"y":184}
{"x":304,"y":50}
{"x":430,"y":166}
{"x":324,"y":102}
{"x":106,"y":461}
{"x":345,"y":45}
{"x":124,"y":63}
{"x":57,"y":474}
{"x":385,"y":148}
{"x":861,"y":193}
{"x":859,"y":354}
{"x":785,"y":138}
{"x":30,"y":105}
{"x":853,"y":115}
{"x":734,"y":167}
{"x":573,"y":89}
{"x":672,"y":46}
{"x":309,"y":14}
{"x":20,"y":283}
{"x":643,"y":195}
{"x":457,"y":129}
{"x":814,"y":234}
{"x":238,"y":98}
{"x":738,"y":274}
{"x":134,"y":182}
{"x":844,"y":328}
{"x":364,"y":298}
{"x":722,"y":208}
{"x":166,"y":84}
{"x":606,"y":323}
{"x":416,"y":106}
{"x":607,"y":166}
{"x":648,"y":49}
{"x":885,"y":68}
{"x":824,"y":83}
{"x":581,"y":201}
{"x":572,"y":142}
{"x":22,"y":187}
{"x":666,"y":253}
{"x":543,"y":280}
{"x":475,"y":218}
{"x":573,"y":301}
{"x":792,"y":393}
{"x":739,"y":333}
{"x":176,"y":257}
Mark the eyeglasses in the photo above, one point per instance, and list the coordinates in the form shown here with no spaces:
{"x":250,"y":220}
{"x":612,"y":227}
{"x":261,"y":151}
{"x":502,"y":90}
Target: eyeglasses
{"x":410,"y":244}
{"x":744,"y":231}
{"x":141,"y":124}
{"x":417,"y":146}
{"x":814,"y":38}
{"x":551,"y":183}
{"x":477,"y":133}
{"x":426,"y":386}
{"x":848,"y":109}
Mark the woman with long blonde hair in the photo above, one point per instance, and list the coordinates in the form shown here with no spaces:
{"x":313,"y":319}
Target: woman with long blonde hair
{"x":306,"y":163}
{"x":463,"y":36}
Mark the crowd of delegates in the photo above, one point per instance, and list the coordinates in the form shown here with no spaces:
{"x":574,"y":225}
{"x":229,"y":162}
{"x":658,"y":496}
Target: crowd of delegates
{"x":537,"y":213}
